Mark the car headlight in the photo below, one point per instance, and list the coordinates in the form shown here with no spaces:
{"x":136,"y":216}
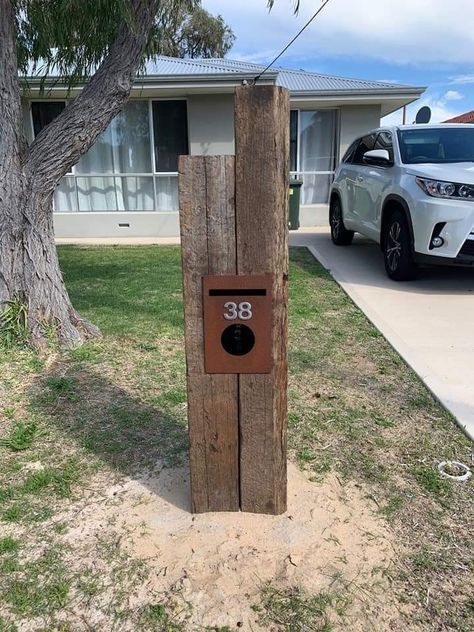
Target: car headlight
{"x":439,"y":189}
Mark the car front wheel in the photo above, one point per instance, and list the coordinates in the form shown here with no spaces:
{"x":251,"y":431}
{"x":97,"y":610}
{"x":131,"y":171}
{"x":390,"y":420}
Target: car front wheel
{"x":398,"y":252}
{"x":339,"y":233}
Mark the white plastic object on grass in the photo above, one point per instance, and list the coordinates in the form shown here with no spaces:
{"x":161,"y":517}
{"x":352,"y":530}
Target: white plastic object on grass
{"x":460,"y":477}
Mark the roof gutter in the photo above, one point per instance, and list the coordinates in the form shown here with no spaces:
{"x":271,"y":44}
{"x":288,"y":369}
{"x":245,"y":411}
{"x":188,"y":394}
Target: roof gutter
{"x":234,"y":78}
{"x":396,"y":92}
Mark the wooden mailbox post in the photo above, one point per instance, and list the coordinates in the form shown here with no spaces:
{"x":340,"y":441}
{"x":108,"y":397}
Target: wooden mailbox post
{"x":235,"y":265}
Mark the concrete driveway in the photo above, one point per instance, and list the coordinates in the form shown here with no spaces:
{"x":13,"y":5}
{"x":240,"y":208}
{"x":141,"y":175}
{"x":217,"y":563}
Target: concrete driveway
{"x":429,"y":321}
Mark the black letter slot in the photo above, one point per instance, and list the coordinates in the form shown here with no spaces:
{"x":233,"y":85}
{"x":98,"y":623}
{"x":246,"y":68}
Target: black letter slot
{"x":249,"y":292}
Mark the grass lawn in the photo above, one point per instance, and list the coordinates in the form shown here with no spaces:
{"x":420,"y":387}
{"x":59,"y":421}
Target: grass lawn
{"x":73,"y":424}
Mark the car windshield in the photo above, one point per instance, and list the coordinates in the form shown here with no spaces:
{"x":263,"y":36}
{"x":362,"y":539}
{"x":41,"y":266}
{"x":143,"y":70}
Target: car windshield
{"x":447,"y":144}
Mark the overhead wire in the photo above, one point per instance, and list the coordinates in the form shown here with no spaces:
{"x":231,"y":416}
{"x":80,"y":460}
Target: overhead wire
{"x":293,"y":40}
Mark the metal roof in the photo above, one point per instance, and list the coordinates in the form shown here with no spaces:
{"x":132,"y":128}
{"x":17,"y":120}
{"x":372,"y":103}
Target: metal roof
{"x":296,"y":81}
{"x":165,"y":72}
{"x":175,"y":66}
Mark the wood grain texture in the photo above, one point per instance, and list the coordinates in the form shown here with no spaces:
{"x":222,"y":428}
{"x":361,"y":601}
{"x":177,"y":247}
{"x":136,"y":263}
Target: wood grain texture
{"x":207,"y":217}
{"x":262,"y":162}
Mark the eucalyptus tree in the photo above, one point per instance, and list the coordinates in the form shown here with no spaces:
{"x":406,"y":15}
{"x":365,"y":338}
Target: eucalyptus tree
{"x":101,"y":44}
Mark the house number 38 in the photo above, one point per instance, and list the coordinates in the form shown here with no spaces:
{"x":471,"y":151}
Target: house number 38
{"x":234,"y":311}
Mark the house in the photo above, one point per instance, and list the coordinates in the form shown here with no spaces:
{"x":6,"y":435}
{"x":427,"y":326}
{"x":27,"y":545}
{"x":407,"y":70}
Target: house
{"x":126,"y":185}
{"x":468,"y":117}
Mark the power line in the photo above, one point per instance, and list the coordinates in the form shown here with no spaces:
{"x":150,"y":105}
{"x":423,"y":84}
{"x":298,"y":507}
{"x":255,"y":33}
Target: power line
{"x":293,"y":40}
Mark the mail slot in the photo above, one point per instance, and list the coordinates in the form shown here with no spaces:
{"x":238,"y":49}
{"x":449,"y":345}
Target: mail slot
{"x":237,"y":324}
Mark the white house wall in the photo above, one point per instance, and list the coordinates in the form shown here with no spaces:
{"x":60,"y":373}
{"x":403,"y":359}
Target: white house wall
{"x":356,"y":120}
{"x":211,"y":124}
{"x":97,"y":225}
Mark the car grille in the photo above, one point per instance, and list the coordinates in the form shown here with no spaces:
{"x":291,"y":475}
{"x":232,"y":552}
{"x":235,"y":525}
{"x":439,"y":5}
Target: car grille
{"x":468,"y":247}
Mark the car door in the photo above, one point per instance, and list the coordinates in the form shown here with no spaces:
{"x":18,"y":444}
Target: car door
{"x":372,"y":183}
{"x":345,"y":179}
{"x":378,"y":179}
{"x":360,"y":199}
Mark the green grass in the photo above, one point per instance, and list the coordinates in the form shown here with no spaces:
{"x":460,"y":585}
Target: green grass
{"x":21,"y":436}
{"x":292,"y":610}
{"x":39,"y":587}
{"x":157,"y":617}
{"x":13,"y":329}
{"x":117,"y":406}
{"x":357,"y":411}
{"x":9,"y":545}
{"x":132,"y":292}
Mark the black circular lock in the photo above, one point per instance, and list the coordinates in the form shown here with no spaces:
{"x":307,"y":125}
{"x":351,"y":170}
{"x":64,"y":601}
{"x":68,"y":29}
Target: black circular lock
{"x":238,"y":339}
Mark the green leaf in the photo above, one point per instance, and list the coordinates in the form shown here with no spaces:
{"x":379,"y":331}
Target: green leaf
{"x":71,"y":37}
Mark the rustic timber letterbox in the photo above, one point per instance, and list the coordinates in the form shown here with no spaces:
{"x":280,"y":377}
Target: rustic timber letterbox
{"x":233,"y":218}
{"x":237,"y":323}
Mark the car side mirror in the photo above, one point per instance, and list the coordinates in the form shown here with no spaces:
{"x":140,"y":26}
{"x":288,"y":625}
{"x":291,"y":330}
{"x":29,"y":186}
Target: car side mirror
{"x":377,"y":157}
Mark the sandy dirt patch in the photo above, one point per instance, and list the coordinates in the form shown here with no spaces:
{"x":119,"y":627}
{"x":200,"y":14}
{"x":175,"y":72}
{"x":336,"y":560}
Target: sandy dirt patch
{"x":329,"y":540}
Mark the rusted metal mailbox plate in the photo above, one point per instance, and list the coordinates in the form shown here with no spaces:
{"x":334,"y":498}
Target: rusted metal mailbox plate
{"x":237,"y":323}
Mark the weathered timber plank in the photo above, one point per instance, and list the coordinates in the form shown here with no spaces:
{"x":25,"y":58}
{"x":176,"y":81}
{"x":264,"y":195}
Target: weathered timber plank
{"x":207,"y":218}
{"x":262,"y":163}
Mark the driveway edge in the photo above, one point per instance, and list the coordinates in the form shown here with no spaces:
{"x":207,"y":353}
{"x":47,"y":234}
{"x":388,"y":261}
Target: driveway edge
{"x":411,"y":358}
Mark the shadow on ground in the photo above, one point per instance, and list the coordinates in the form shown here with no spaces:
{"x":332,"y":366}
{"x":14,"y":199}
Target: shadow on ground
{"x":131,"y":435}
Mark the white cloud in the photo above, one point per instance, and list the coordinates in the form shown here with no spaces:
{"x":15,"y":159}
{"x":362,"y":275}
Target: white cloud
{"x":396,"y":31}
{"x":453,"y":95}
{"x":440,"y":111}
{"x":463,"y":79}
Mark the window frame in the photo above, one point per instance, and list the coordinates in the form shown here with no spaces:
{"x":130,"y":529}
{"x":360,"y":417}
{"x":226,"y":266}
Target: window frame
{"x":296,"y":121}
{"x":337,"y":129}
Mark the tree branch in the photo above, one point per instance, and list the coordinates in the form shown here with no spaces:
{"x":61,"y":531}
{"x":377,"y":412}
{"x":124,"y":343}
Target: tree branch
{"x":61,"y":143}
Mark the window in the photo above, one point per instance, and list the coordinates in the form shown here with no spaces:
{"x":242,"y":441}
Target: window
{"x":43,"y":112}
{"x":293,"y":140}
{"x":170,"y":129}
{"x":438,"y":145}
{"x":384,"y":141}
{"x":316,"y":150}
{"x":366,"y":144}
{"x":349,"y":155}
{"x":132,"y":164}
{"x":124,"y":147}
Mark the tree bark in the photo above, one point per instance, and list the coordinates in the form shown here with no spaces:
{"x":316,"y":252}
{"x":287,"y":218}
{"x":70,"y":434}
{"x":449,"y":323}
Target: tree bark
{"x":29,"y":267}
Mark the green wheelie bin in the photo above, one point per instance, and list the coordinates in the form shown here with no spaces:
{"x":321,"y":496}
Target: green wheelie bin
{"x":295,"y":196}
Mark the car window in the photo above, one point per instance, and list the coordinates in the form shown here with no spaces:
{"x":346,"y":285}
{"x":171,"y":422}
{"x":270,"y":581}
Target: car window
{"x":349,"y":155}
{"x":437,"y":145}
{"x":366,"y":144}
{"x":384,"y":141}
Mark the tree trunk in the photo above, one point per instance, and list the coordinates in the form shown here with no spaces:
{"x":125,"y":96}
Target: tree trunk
{"x":29,"y":268}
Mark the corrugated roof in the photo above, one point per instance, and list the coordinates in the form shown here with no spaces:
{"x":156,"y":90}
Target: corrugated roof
{"x":298,"y":82}
{"x":293,"y":80}
{"x":468,"y":117}
{"x":176,"y":66}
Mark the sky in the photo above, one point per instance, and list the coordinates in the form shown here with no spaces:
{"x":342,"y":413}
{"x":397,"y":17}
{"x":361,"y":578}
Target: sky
{"x":414,"y":42}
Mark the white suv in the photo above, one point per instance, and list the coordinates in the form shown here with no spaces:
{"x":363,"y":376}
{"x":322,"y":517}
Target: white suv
{"x":411,"y":189}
